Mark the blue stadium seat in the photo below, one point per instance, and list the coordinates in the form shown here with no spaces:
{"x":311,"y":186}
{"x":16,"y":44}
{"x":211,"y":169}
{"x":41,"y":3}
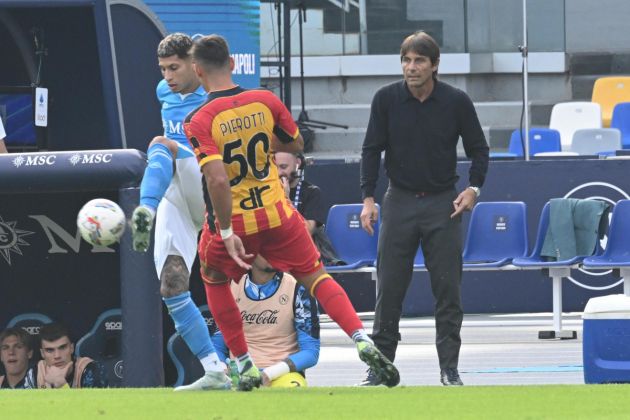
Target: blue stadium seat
{"x":353,"y":244}
{"x":497,"y":233}
{"x":188,"y":367}
{"x":557,"y":270}
{"x":104,"y":343}
{"x":616,"y":255}
{"x":621,"y":121}
{"x":30,"y":322}
{"x":418,"y":261}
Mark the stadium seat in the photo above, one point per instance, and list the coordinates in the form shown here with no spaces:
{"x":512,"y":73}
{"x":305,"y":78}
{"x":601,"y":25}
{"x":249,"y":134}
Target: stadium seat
{"x":567,"y":117}
{"x":104,"y":343}
{"x":616,"y":255}
{"x":557,"y":270}
{"x":594,"y":141}
{"x":188,"y":367}
{"x":353,"y":244}
{"x":418,"y":261}
{"x":608,"y":92}
{"x":621,"y":121}
{"x":30,"y":322}
{"x":497,"y":233}
{"x":540,"y":140}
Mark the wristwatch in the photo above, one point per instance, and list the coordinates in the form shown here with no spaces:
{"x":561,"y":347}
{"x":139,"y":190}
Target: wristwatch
{"x":477,"y":190}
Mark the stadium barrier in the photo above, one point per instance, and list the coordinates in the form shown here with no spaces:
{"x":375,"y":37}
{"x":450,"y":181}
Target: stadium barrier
{"x":46,"y":267}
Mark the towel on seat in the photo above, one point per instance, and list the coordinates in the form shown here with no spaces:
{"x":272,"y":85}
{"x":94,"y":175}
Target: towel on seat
{"x":575,"y":225}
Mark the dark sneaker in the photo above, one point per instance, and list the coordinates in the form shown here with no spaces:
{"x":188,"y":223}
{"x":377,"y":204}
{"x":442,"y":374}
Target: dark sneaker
{"x":371,"y":380}
{"x":250,"y":377}
{"x":450,"y":377}
{"x":382,"y":368}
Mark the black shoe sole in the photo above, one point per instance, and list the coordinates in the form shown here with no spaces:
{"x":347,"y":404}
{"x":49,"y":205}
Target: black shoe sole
{"x":384,"y":370}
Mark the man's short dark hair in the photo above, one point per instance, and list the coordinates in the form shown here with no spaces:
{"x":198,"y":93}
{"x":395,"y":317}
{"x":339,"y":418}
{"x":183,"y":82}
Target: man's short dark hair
{"x":178,"y":44}
{"x":22,"y":336}
{"x":53,"y":332}
{"x":212,"y":52}
{"x":421,"y":43}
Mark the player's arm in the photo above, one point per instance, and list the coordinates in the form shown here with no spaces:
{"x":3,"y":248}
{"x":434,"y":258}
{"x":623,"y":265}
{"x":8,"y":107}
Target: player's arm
{"x":219,"y":190}
{"x":221,"y":196}
{"x":294,"y":145}
{"x":306,"y":321}
{"x":286,"y":135}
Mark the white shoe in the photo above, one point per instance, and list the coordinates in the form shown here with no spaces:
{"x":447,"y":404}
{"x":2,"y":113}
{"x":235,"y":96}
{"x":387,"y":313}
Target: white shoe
{"x":209,"y":381}
{"x":141,"y":224}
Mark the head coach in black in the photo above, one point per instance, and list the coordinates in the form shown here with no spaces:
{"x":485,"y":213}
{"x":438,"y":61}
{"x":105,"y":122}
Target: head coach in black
{"x":417,"y":122}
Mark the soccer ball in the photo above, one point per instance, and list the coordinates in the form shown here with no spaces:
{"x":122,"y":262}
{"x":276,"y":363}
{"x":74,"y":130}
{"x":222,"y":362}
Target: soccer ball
{"x":101,"y":222}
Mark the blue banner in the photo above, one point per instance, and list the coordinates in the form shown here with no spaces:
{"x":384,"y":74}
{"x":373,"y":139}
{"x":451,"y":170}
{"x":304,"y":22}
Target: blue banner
{"x":237,"y":20}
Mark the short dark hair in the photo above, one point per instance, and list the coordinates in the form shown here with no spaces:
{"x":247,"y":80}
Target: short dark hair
{"x":53,"y":332}
{"x":421,"y":43}
{"x":211,"y":51}
{"x":177,"y":43}
{"x":21,"y":335}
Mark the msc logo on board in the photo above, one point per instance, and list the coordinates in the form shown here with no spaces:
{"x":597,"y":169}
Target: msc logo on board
{"x":89,"y":158}
{"x":36,"y":160}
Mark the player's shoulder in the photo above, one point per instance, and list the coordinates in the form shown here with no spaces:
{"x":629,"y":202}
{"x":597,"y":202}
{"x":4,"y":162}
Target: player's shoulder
{"x":162,"y":90}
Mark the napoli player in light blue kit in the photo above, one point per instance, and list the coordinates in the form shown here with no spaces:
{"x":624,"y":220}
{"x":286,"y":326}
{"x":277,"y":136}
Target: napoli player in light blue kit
{"x":171,"y":193}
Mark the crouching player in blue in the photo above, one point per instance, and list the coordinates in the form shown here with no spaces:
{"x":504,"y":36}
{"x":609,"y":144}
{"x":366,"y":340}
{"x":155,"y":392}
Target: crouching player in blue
{"x":281,"y":325}
{"x":171,"y":193}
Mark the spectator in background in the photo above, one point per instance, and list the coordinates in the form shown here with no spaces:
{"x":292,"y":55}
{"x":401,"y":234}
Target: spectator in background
{"x":3,"y":134}
{"x":306,"y":198}
{"x":281,"y":325}
{"x":59,"y":368}
{"x":16,"y":352}
{"x":417,"y":122}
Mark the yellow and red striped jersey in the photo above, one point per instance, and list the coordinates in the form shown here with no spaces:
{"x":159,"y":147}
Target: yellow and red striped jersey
{"x":236,"y":126}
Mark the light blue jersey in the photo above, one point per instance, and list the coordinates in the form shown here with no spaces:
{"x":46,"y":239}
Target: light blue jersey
{"x":175,"y":107}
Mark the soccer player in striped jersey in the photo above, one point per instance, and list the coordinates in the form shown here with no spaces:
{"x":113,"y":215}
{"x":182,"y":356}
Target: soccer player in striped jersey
{"x":171,"y":194}
{"x":233,"y":136}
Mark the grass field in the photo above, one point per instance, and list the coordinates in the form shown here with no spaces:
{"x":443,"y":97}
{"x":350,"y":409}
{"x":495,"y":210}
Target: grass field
{"x":514,"y":402}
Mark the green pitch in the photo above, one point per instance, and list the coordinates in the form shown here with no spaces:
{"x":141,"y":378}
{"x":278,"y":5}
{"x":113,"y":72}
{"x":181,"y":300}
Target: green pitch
{"x":513,"y":402}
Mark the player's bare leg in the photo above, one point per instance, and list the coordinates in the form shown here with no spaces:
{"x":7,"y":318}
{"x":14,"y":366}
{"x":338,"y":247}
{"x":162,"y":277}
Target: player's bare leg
{"x":335,"y":302}
{"x":190,"y":325}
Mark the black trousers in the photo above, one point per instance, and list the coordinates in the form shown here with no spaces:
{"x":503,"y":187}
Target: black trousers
{"x":408,"y":220}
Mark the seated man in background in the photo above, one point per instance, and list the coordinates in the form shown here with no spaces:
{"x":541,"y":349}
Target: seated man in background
{"x":281,"y":325}
{"x":16,"y":353}
{"x":306,"y":198}
{"x":59,"y":369}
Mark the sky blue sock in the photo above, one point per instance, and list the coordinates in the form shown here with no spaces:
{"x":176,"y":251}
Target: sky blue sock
{"x":190,"y":324}
{"x":157,"y":175}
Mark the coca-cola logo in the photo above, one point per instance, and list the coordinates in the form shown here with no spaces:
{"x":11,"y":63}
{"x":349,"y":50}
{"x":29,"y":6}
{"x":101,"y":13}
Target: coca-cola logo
{"x":265,"y":317}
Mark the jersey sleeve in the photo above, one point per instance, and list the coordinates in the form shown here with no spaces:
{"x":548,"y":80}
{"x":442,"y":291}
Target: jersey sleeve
{"x":285,"y":127}
{"x":306,"y":321}
{"x":199,"y":133}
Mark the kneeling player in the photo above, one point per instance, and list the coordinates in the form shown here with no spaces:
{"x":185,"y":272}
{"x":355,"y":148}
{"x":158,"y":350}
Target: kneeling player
{"x":280,"y":322}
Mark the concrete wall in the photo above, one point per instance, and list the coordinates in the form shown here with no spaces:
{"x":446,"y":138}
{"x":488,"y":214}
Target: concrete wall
{"x":597,"y":26}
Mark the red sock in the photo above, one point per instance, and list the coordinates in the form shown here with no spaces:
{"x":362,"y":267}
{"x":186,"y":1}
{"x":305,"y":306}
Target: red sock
{"x":227,"y":316}
{"x":335,"y":302}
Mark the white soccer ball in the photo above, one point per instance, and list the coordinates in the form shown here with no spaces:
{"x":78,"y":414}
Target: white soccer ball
{"x":101,"y":222}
